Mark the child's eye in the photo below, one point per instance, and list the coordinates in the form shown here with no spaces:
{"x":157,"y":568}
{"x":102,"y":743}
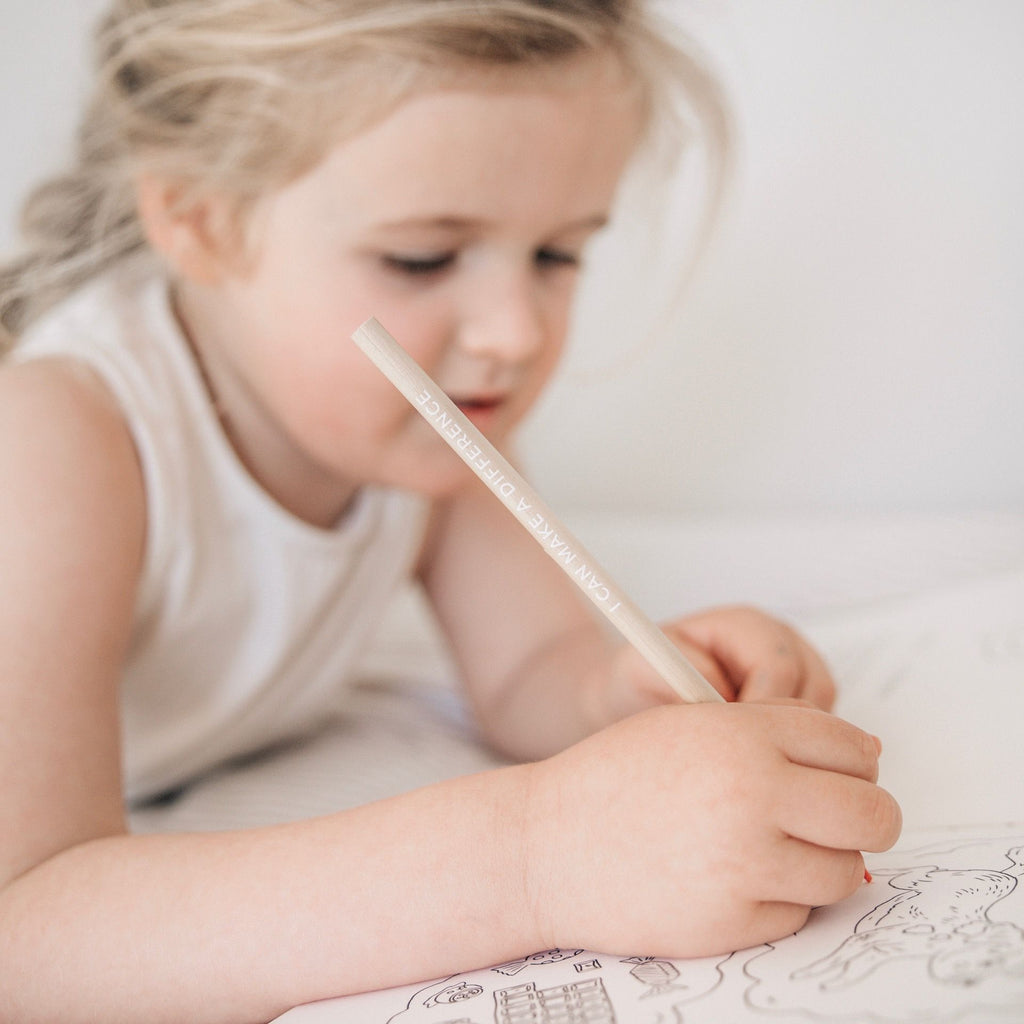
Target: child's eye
{"x":420,"y":265}
{"x":556,"y":258}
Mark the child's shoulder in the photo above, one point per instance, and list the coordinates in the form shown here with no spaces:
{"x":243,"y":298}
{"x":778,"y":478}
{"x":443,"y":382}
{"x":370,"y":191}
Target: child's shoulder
{"x":58,"y":403}
{"x":114,"y":342}
{"x":64,"y":443}
{"x":50,"y":379}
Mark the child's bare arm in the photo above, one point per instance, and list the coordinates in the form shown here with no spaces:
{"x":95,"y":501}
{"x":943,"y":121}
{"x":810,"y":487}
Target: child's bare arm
{"x":71,"y":538}
{"x":240,"y":926}
{"x":98,"y":925}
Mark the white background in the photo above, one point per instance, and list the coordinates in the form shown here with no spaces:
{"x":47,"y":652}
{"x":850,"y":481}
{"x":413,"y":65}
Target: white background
{"x":853,"y":340}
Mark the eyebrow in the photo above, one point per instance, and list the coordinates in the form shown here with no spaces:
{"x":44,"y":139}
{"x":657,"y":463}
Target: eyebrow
{"x":592,"y":222}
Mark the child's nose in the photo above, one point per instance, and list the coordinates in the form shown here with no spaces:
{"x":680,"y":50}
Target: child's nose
{"x":506,"y":324}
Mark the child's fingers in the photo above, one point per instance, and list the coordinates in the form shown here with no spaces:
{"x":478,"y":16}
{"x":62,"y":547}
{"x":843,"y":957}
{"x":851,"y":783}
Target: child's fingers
{"x":770,"y":920}
{"x":816,"y":739}
{"x":839,"y":812}
{"x":762,"y":656}
{"x":793,"y":669}
{"x":800,"y":672}
{"x":814,"y":876}
{"x":743,"y":640}
{"x":819,"y":686}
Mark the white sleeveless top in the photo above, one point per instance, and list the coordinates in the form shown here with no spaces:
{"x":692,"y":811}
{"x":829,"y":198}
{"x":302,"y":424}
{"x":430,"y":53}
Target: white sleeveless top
{"x":248,"y":621}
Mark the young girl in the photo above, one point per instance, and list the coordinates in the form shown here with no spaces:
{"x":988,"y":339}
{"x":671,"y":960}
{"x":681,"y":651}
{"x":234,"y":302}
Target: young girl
{"x":209,"y":494}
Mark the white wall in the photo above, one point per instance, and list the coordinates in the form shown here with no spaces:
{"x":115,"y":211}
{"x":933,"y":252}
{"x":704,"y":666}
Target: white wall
{"x":44,"y":60}
{"x":854,"y":338}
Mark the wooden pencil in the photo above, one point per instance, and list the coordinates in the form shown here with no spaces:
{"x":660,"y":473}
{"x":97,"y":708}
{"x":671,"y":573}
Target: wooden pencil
{"x":508,"y":485}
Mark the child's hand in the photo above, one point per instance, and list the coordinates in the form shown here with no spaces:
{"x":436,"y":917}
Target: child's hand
{"x":690,"y":831}
{"x":744,"y":653}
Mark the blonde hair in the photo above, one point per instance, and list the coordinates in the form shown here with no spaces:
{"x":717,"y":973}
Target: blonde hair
{"x":242,"y":96}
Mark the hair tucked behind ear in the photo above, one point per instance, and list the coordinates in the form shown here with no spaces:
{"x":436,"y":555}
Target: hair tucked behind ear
{"x":241,"y":96}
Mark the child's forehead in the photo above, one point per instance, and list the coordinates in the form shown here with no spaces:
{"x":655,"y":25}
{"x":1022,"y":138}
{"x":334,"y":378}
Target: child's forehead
{"x":528,"y":159}
{"x":601,"y":72}
{"x":519,"y":94}
{"x":474,"y":134}
{"x":478,"y":147}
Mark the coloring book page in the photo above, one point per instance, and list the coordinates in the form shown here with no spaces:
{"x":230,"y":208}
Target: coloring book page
{"x":936,"y":938}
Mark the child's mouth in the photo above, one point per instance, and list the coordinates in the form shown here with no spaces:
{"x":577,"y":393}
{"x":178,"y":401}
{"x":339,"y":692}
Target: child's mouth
{"x":480,"y":411}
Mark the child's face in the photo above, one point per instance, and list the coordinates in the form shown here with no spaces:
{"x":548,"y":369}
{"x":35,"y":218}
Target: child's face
{"x":458,"y":221}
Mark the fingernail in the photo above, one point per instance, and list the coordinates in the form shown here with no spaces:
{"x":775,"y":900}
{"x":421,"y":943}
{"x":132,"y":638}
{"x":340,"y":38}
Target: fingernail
{"x":878,"y":744}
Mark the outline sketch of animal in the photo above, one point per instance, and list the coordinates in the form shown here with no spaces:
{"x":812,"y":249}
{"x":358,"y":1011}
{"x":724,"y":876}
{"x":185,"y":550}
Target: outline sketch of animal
{"x":940,"y":914}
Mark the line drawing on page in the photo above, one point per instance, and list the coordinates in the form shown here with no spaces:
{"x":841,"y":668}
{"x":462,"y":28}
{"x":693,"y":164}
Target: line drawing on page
{"x":547,"y":956}
{"x":580,"y":1002}
{"x":568,"y":987}
{"x":940,"y":915}
{"x":660,"y":975}
{"x":456,"y":993}
{"x":936,"y":938}
{"x":945,"y":943}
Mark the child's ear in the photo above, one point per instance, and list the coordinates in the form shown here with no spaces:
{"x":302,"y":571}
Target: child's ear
{"x":193,"y":235}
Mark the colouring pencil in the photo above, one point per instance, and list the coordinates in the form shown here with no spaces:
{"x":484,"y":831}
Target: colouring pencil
{"x":506,"y":483}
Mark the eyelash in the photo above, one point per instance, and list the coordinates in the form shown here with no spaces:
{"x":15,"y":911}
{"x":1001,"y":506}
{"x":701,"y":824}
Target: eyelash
{"x":419,"y":266}
{"x":425,"y":266}
{"x":556,"y":258}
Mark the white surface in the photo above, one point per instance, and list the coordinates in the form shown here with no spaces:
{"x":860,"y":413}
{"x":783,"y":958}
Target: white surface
{"x":853,"y":341}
